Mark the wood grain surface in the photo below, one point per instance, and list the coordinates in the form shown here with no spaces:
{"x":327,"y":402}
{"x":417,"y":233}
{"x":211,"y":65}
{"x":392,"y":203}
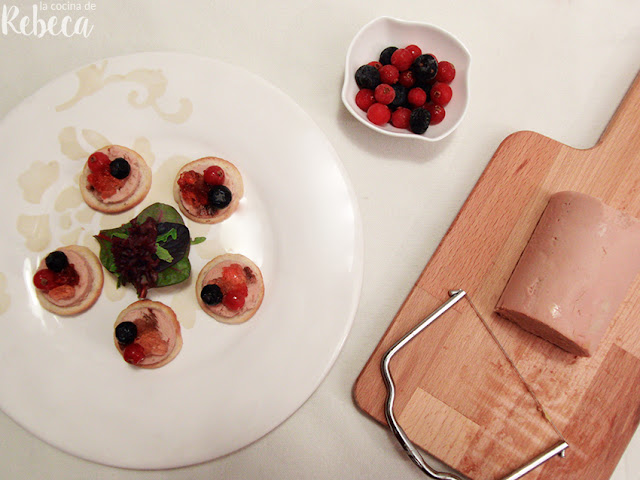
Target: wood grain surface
{"x":458,"y":398}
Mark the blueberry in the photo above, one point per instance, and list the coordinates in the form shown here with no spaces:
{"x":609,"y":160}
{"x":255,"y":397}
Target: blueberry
{"x":126,"y":333}
{"x":419,"y":120}
{"x":56,"y":261}
{"x":119,"y":168}
{"x":425,"y":68}
{"x":211,"y":294}
{"x":367,"y":76}
{"x":385,"y":55}
{"x":219,"y":196}
{"x":400,"y":99}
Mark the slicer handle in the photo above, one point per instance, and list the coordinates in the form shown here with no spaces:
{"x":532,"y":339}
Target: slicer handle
{"x":402,"y":437}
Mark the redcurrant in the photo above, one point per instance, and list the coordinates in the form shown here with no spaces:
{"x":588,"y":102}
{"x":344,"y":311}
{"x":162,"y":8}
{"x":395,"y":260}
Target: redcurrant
{"x":415,"y":50}
{"x":384,"y":94}
{"x":389,"y":74}
{"x":364,"y":99}
{"x":98,"y":161}
{"x":214,"y":175}
{"x":402,"y":59}
{"x":400,"y":117}
{"x":234,"y":299}
{"x":406,"y":79}
{"x":441,"y":94}
{"x":378,"y":114}
{"x":446,"y":72}
{"x":133,"y":353}
{"x":417,"y":97}
{"x":437,"y":113}
{"x":45,"y":279}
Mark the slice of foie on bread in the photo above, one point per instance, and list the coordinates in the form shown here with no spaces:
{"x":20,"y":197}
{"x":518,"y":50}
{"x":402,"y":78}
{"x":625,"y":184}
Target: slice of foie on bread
{"x":69,"y":280}
{"x":114,"y":179}
{"x":208,"y":190}
{"x":230,"y":288}
{"x":574,"y":272}
{"x":147,"y":334}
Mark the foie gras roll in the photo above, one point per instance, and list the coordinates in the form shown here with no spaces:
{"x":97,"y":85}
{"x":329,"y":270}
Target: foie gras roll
{"x":574,"y":272}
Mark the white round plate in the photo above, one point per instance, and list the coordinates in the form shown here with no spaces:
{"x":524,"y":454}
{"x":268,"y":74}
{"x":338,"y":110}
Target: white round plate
{"x":61,"y":378}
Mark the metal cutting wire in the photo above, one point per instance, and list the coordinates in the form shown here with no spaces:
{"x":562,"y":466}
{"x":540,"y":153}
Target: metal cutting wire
{"x":454,"y":297}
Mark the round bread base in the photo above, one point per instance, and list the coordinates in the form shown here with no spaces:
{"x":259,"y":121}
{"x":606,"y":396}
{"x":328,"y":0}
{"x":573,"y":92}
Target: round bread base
{"x":233,"y":181}
{"x":138,"y":195}
{"x":94,"y":291}
{"x":242,"y":260}
{"x":171,"y":315}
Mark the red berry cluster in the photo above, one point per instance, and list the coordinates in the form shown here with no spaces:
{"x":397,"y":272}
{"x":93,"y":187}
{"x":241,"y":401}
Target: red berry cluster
{"x":195,"y":187}
{"x":148,"y":341}
{"x":47,"y":280}
{"x":100,"y":177}
{"x":400,"y":87}
{"x":233,"y":284}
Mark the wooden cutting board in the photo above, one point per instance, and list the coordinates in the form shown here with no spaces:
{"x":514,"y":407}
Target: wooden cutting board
{"x":458,"y":398}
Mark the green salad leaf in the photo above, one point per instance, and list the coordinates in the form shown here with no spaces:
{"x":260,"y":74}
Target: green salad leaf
{"x":172,"y":233}
{"x":163,"y":254}
{"x":172,"y":247}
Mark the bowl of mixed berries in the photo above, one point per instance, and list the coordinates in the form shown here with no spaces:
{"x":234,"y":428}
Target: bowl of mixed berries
{"x":407,"y":79}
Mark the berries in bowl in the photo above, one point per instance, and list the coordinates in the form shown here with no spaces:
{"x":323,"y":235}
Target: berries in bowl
{"x":407,"y":79}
